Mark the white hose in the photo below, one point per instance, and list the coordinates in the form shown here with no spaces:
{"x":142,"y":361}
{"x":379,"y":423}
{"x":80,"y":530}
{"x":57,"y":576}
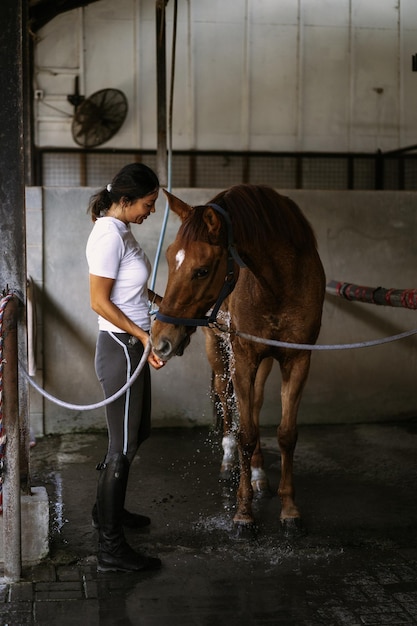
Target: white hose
{"x":336,"y":346}
{"x":97,"y":405}
{"x":169,"y":185}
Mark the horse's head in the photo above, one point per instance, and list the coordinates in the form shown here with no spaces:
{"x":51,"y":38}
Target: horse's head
{"x":197,"y":266}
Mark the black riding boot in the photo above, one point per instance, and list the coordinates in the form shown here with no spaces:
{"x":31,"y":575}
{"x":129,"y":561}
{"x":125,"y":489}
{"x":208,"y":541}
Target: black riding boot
{"x":114,"y":553}
{"x":129,"y":520}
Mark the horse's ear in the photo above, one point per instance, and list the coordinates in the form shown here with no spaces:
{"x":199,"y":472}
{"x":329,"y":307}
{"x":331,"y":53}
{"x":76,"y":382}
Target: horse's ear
{"x":178,"y":206}
{"x":213,"y":222}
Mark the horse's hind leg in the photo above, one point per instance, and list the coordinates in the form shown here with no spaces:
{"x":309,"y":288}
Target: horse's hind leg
{"x":294,"y":375}
{"x":258,"y":476}
{"x":224,"y":401}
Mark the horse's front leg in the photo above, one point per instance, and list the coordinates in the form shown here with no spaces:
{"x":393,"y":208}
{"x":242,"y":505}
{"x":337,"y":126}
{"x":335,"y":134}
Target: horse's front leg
{"x":294,"y":375}
{"x":246,"y":445}
{"x":244,"y":374}
{"x":218,"y":354}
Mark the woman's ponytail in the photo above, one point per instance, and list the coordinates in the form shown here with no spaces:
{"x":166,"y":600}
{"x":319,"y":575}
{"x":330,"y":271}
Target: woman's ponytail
{"x":99,"y":204}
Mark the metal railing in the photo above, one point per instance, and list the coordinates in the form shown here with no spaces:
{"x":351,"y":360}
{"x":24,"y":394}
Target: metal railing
{"x":394,"y":170}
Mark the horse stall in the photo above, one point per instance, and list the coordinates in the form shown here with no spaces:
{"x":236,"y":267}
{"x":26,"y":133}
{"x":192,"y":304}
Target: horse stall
{"x":353,"y":560}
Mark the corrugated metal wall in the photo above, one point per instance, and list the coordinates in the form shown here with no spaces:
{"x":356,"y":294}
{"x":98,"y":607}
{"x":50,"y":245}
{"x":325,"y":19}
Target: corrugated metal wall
{"x":296,"y":75}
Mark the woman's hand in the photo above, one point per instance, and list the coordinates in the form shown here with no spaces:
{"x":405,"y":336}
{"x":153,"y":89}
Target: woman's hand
{"x":152,"y":359}
{"x":155,"y":361}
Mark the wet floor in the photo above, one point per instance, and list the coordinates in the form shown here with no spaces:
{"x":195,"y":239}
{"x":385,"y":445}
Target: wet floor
{"x":356,"y":563}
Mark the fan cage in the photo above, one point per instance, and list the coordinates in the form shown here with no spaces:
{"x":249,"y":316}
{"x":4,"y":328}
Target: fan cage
{"x":98,"y":118}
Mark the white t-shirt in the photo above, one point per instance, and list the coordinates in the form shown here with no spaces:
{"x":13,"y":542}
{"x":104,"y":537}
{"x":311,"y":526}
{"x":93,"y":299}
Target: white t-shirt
{"x":113,"y":252}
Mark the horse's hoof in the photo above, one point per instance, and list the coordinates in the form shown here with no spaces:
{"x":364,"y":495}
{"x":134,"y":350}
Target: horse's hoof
{"x":292,"y":527}
{"x":244,"y":531}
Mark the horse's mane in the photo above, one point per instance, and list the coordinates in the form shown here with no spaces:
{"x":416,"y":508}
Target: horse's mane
{"x":259,"y":215}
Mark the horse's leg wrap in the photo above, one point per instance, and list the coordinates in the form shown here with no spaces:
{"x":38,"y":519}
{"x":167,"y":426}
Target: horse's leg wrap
{"x":259,"y":480}
{"x":229,"y":445}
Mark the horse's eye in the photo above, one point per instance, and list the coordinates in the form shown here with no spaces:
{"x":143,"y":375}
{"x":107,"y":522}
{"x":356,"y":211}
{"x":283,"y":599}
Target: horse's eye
{"x":201,"y":272}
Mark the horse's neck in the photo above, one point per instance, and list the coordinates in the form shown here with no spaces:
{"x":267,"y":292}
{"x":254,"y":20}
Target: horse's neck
{"x":258,"y":268}
{"x":270,"y":270}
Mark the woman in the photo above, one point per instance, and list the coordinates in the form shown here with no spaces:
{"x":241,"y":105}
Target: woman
{"x":119,"y":271}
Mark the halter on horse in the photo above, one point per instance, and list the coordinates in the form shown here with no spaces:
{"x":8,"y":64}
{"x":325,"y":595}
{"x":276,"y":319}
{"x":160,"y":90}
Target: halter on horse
{"x":228,"y":285}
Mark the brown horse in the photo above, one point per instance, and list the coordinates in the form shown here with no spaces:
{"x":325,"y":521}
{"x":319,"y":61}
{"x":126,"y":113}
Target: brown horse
{"x":250,"y":255}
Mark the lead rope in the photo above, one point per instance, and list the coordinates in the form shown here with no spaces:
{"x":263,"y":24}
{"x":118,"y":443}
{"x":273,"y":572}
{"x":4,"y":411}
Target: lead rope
{"x":96,"y":405}
{"x":3,"y":304}
{"x":219,"y":327}
{"x":169,"y":185}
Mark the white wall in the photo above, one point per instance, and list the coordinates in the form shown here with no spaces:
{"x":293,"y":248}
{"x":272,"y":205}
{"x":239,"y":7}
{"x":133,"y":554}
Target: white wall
{"x":250,"y":74}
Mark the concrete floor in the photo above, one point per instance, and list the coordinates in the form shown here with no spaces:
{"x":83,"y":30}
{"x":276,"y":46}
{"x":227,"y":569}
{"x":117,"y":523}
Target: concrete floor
{"x":356,"y":564}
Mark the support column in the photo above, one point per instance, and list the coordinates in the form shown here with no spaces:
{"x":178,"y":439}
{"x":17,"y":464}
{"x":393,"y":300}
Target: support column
{"x":12,"y":179}
{"x":13,"y":60}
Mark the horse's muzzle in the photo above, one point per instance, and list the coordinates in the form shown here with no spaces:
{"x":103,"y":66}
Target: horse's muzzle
{"x":169,"y":344}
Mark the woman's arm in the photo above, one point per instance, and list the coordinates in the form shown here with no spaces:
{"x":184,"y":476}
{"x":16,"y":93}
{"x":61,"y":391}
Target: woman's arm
{"x":100,"y":291}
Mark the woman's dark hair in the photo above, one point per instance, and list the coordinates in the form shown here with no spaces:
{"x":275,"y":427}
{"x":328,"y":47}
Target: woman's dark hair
{"x":134,"y":181}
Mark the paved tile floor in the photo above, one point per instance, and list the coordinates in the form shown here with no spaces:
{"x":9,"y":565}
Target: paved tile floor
{"x":356,"y":564}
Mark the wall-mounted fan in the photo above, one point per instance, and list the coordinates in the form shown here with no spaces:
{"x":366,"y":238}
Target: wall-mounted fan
{"x":98,"y":117}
